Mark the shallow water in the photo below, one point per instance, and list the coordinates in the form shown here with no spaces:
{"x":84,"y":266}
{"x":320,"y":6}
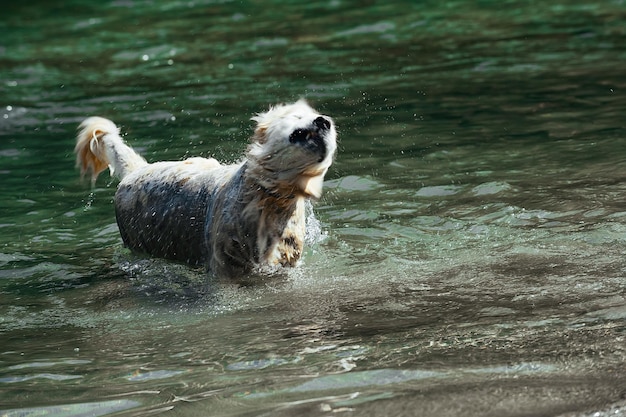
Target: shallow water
{"x":471,"y":254}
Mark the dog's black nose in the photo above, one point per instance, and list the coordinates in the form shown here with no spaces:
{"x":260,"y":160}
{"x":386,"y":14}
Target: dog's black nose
{"x":322,"y":123}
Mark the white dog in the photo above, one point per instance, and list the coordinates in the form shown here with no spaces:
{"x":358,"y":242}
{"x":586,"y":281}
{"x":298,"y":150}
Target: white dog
{"x":232,"y":218}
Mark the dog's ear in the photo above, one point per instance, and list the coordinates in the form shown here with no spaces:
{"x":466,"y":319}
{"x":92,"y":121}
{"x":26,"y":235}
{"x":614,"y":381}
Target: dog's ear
{"x":262,"y":123}
{"x":260,"y":134}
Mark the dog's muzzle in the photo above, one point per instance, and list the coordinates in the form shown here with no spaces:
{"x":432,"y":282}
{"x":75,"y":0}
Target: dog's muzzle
{"x":313,"y":138}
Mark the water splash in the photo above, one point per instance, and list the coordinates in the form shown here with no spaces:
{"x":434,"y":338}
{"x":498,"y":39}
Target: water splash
{"x":313,"y":234}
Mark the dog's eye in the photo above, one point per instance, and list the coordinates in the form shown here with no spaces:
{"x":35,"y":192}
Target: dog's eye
{"x":298,"y":135}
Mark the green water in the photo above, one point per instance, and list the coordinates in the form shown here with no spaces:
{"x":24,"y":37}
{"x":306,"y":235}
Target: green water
{"x":471,"y":259}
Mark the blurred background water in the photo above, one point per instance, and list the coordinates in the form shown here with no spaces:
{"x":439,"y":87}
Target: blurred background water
{"x":471,"y":259}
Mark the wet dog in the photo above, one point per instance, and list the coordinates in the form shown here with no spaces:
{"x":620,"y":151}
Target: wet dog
{"x":232,"y":218}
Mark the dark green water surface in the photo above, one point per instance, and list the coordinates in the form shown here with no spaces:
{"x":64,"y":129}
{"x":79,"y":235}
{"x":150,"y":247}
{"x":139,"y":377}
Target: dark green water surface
{"x":471,"y":259}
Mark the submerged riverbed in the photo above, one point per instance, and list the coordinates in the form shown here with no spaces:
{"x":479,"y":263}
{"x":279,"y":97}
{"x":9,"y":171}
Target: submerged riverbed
{"x":470,"y":252}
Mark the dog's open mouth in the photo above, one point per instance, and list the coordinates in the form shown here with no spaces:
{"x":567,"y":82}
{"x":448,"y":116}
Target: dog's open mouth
{"x":312,"y":138}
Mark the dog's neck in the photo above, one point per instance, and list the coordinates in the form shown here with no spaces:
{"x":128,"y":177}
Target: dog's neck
{"x":269,"y":193}
{"x":283,"y":184}
{"x":280,"y":215}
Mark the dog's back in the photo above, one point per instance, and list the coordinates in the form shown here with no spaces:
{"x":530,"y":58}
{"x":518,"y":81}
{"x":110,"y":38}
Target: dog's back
{"x":161,"y":208}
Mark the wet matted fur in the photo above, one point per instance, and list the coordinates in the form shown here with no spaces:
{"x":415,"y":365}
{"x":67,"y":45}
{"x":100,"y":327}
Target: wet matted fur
{"x":232,"y":218}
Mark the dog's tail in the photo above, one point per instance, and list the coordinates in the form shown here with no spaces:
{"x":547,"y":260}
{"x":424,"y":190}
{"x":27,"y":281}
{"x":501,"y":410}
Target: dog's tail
{"x":99,"y":145}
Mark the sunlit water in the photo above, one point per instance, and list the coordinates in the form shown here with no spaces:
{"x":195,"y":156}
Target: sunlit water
{"x":470,"y":259}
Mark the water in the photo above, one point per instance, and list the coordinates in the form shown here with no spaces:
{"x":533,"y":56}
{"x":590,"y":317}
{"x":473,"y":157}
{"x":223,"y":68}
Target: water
{"x":471,"y":255}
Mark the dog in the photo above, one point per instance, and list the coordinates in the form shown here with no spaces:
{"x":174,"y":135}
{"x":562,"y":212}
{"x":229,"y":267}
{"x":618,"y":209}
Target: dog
{"x":231,"y":218}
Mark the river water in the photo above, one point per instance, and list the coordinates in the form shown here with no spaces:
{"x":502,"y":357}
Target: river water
{"x":470,"y":257}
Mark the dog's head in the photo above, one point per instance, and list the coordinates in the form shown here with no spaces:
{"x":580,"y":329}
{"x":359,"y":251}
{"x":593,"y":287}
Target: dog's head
{"x":294,"y":146}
